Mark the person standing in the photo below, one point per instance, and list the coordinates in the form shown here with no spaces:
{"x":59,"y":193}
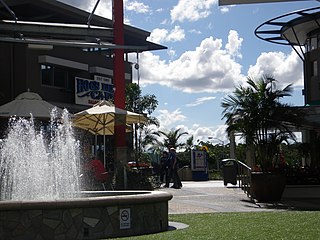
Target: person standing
{"x":173,"y":170}
{"x":164,"y":166}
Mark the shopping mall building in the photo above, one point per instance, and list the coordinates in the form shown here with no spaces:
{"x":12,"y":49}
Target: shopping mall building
{"x":67,"y":56}
{"x":61,"y":52}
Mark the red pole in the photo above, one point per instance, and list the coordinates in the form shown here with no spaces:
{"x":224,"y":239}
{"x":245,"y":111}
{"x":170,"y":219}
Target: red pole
{"x":119,"y":68}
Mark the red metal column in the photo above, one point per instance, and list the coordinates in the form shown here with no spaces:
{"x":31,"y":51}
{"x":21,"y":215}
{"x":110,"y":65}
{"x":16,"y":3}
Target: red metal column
{"x":119,"y":68}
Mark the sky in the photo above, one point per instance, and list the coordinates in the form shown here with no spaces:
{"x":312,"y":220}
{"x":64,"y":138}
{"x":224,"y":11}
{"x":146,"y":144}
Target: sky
{"x":211,"y":50}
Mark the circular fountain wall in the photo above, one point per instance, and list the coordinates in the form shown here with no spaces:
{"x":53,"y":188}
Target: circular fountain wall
{"x":97,"y":215}
{"x":40,"y":191}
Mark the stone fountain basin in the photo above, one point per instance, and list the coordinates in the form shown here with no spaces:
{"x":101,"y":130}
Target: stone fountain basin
{"x":94,"y":215}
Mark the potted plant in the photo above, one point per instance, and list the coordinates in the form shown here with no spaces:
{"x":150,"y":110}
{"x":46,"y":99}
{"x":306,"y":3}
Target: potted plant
{"x":255,"y":111}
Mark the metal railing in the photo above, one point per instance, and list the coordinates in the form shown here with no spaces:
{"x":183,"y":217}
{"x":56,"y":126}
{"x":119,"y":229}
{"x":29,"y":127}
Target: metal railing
{"x":244,"y":178}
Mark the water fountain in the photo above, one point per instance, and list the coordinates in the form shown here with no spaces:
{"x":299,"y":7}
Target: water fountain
{"x":39,"y":165}
{"x":40,"y":195}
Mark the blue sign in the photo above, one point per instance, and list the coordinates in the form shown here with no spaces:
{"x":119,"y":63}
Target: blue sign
{"x":89,"y":92}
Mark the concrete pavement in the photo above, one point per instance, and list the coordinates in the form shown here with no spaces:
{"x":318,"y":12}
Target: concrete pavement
{"x":213,"y":196}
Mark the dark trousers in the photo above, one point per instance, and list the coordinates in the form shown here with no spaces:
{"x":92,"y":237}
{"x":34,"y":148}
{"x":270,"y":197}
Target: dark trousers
{"x":173,"y":174}
{"x":163,"y":174}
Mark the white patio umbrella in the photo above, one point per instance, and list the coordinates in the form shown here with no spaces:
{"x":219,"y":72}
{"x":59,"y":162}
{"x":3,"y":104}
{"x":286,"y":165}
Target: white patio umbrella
{"x":25,"y":104}
{"x":109,"y":130}
{"x":102,"y":118}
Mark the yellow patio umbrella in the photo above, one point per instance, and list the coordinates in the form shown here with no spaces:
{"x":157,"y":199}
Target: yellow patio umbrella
{"x":91,"y":128}
{"x":102,"y":118}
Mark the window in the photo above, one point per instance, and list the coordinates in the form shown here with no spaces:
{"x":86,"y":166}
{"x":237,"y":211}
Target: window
{"x":56,"y":76}
{"x":46,"y":74}
{"x":313,"y":43}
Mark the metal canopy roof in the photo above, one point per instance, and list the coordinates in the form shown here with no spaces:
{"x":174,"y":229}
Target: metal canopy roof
{"x":291,"y":28}
{"x":37,"y":19}
{"x":54,"y":30}
{"x":72,"y":35}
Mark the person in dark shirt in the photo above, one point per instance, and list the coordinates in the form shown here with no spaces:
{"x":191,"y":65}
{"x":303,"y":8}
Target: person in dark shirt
{"x":173,"y":170}
{"x":164,"y":166}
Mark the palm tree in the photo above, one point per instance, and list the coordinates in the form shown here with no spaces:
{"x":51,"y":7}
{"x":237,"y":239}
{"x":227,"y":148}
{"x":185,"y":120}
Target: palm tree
{"x":149,"y":138}
{"x":255,"y":111}
{"x":189,"y":144}
{"x":172,"y":138}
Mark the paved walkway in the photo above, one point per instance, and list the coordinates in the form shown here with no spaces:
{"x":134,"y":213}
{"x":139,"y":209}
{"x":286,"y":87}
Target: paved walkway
{"x":213,"y":196}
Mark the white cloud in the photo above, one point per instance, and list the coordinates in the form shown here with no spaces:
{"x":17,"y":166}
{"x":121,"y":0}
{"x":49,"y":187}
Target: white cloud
{"x":175,"y":35}
{"x":200,"y":101}
{"x":234,"y":44}
{"x":208,"y":68}
{"x":285,"y":68}
{"x":202,"y":133}
{"x":226,"y":9}
{"x":174,"y":120}
{"x":169,"y":119}
{"x":164,"y":22}
{"x":160,"y":35}
{"x":218,"y":134}
{"x":104,"y":8}
{"x":195,"y":31}
{"x":191,"y":10}
{"x":171,"y":53}
{"x":136,"y":6}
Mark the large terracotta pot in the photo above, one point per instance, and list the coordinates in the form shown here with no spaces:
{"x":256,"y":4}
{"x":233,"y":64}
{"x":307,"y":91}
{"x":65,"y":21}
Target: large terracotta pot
{"x":267,"y":187}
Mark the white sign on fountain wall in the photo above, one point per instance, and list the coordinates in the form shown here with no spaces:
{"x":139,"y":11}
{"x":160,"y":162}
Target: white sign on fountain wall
{"x":125,"y":218}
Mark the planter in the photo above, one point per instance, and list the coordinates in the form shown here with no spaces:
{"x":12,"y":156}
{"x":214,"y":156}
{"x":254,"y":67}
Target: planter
{"x":267,"y":187}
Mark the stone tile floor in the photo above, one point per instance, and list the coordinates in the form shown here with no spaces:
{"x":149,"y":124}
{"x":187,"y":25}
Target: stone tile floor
{"x":213,"y":196}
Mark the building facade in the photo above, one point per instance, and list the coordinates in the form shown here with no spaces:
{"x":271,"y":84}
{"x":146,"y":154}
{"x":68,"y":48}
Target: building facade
{"x":65,"y":55}
{"x":52,"y":50}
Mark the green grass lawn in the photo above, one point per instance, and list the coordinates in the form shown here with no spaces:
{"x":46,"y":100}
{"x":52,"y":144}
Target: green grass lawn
{"x":255,"y":225}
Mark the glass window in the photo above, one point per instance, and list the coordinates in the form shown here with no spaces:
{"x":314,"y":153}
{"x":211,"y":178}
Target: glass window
{"x":46,"y":74}
{"x":59,"y":77}
{"x":307,"y":45}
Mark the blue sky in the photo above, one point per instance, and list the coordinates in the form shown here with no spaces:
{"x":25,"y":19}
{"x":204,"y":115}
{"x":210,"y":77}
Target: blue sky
{"x":211,"y":49}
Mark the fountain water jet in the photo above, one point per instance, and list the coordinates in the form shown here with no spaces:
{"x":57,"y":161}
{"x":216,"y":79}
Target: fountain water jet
{"x":39,"y":165}
{"x":39,"y":177}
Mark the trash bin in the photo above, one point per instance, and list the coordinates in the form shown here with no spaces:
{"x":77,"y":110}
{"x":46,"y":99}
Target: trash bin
{"x":229,"y":171}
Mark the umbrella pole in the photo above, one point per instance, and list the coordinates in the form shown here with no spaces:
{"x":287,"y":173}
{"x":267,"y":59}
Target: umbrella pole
{"x":104,"y":150}
{"x":104,"y":141}
{"x":95,"y":145}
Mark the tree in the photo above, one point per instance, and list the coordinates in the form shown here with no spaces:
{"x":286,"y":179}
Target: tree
{"x":148,"y":138}
{"x":189,"y":144}
{"x":172,"y":138}
{"x":256,"y":112}
{"x":138,"y":103}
